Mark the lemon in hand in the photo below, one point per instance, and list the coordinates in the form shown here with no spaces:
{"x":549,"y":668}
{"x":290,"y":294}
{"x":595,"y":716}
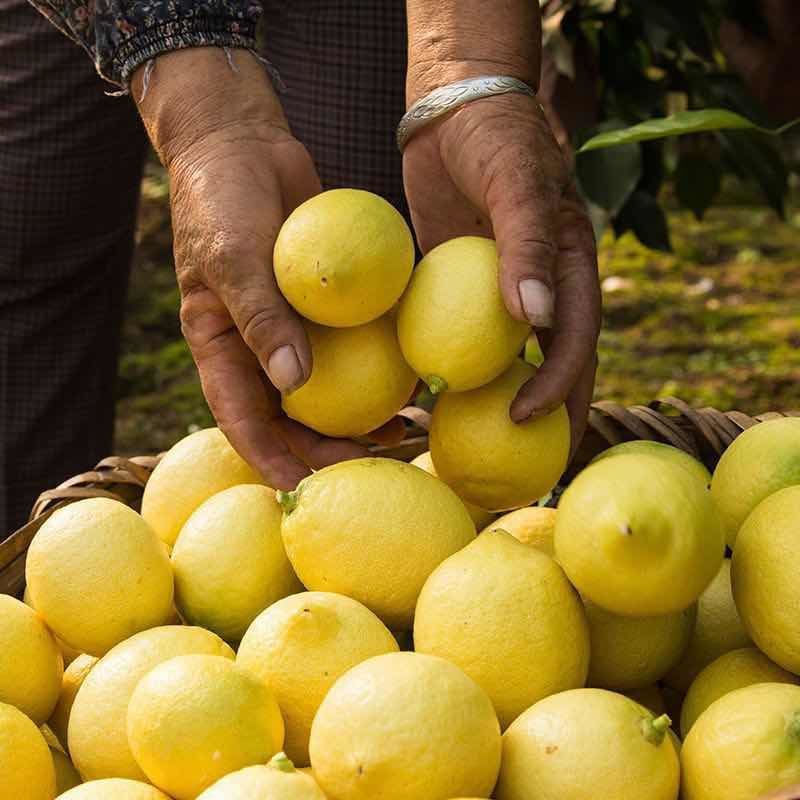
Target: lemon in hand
{"x":343,"y":257}
{"x":486,"y":458}
{"x":453,"y":326}
{"x":358,"y":382}
{"x":638,"y":536}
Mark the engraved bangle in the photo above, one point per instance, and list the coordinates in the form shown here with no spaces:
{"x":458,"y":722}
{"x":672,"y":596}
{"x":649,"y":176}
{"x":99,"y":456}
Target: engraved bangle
{"x":444,"y":99}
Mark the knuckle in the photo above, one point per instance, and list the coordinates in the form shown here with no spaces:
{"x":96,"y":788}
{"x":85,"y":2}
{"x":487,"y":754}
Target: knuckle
{"x":261,"y":326}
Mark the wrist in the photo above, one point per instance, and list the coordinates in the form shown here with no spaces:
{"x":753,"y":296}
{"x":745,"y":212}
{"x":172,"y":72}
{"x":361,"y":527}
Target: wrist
{"x":195,"y":96}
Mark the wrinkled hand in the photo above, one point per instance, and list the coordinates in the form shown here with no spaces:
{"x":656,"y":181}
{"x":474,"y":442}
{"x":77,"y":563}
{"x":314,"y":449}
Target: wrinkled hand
{"x":493,"y":168}
{"x":236,"y":172}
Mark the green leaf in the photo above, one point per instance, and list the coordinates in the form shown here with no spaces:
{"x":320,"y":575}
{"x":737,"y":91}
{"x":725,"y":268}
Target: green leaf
{"x":709,"y":119}
{"x":697,"y":181}
{"x":607,"y":179}
{"x":644,"y":216}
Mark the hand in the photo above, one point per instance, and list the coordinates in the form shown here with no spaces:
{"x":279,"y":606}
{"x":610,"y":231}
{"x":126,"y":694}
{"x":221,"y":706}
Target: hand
{"x":493,"y":168}
{"x":236,"y":172}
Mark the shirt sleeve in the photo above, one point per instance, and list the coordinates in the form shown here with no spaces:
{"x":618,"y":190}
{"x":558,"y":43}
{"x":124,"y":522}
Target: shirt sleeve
{"x":120,"y":35}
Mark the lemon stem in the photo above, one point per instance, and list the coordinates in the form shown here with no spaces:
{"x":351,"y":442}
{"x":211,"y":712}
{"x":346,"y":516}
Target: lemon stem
{"x":287,"y":500}
{"x":436,"y":384}
{"x":654,"y":730}
{"x":282,"y":762}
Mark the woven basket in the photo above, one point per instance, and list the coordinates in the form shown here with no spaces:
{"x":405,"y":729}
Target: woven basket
{"x":704,"y":433}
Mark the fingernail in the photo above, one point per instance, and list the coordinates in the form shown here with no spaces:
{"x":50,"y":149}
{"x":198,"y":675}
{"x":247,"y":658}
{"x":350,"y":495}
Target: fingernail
{"x":284,"y":369}
{"x":537,"y":302}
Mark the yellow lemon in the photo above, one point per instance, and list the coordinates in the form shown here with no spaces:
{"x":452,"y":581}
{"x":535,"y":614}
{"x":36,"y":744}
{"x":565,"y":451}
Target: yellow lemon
{"x":67,"y":776}
{"x":279,"y":780}
{"x":588,"y":743}
{"x":358,"y":382}
{"x":533,"y":525}
{"x":114,"y":789}
{"x":30,"y":661}
{"x":26,"y":766}
{"x":638,"y":535}
{"x":453,"y":326}
{"x":660,"y":450}
{"x":633,"y":652}
{"x":195,"y":468}
{"x":718,"y":630}
{"x":731,"y":671}
{"x":98,"y":574}
{"x":229,"y":561}
{"x":506,"y":614}
{"x":300,"y":645}
{"x":343,"y":257}
{"x":405,"y":725}
{"x":194,"y":719}
{"x":479,"y":516}
{"x":766,"y":563}
{"x":759,"y":462}
{"x":486,"y":458}
{"x":69,"y":654}
{"x":97,"y":737}
{"x":743,"y":745}
{"x":650,"y":697}
{"x":373,"y":529}
{"x":74,"y":676}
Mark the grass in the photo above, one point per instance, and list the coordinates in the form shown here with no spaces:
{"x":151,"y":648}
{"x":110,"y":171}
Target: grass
{"x":716,"y":322}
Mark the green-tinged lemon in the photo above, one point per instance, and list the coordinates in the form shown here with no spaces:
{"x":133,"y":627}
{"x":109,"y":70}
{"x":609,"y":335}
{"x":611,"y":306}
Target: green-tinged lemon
{"x":506,"y":614}
{"x":373,"y":529}
{"x":533,"y":525}
{"x":405,"y":725}
{"x":486,"y":458}
{"x":343,"y":257}
{"x":454,"y":328}
{"x":359,"y":380}
{"x":26,"y":766}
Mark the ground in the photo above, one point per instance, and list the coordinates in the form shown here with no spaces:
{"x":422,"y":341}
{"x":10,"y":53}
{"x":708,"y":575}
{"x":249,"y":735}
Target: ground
{"x":717,"y":322}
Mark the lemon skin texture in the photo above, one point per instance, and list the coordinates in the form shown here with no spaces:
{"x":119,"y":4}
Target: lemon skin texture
{"x":26,"y":766}
{"x":114,"y":789}
{"x":533,"y":525}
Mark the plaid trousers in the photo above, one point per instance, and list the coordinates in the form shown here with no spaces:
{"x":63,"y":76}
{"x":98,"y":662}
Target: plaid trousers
{"x":70,"y":169}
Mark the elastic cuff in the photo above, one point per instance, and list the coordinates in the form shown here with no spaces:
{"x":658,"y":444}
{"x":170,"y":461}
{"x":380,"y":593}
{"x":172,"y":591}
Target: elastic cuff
{"x":178,"y":35}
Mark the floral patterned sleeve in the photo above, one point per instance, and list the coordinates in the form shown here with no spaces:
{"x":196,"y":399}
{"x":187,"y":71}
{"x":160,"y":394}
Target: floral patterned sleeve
{"x":120,"y":35}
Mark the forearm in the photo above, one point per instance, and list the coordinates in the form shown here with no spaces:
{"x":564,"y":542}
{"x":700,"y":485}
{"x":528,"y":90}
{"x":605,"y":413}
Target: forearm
{"x":453,"y":39}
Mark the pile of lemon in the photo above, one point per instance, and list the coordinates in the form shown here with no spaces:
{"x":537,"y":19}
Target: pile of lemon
{"x":358,"y":639}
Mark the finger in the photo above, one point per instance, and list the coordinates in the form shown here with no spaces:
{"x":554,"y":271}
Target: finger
{"x":573,"y":342}
{"x":390,"y":434}
{"x":578,"y":403}
{"x":316,"y":450}
{"x":232,"y":384}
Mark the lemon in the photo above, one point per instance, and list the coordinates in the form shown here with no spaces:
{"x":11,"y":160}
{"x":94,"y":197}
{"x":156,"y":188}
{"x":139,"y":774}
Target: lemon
{"x":98,"y":740}
{"x":300,"y":645}
{"x":279,"y":780}
{"x":405,"y":725}
{"x":26,"y":767}
{"x":453,"y":326}
{"x":744,"y":744}
{"x":632,"y":652}
{"x":194,"y":719}
{"x":358,"y":382}
{"x":718,"y":630}
{"x":660,"y":450}
{"x":764,"y":574}
{"x":229,"y":561}
{"x":98,"y":574}
{"x":506,"y":614}
{"x":533,"y":525}
{"x":733,"y":670}
{"x":759,"y":462}
{"x":650,"y":697}
{"x":30,"y":662}
{"x":196,"y":467}
{"x":588,"y":743}
{"x":69,"y":654}
{"x":486,"y":458}
{"x":66,"y":775}
{"x":479,"y":516}
{"x":373,"y":529}
{"x":114,"y":789}
{"x":74,"y":676}
{"x":638,"y":536}
{"x":343,"y":257}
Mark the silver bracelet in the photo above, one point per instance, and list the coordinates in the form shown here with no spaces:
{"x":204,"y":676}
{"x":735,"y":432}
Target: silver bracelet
{"x":444,"y":99}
